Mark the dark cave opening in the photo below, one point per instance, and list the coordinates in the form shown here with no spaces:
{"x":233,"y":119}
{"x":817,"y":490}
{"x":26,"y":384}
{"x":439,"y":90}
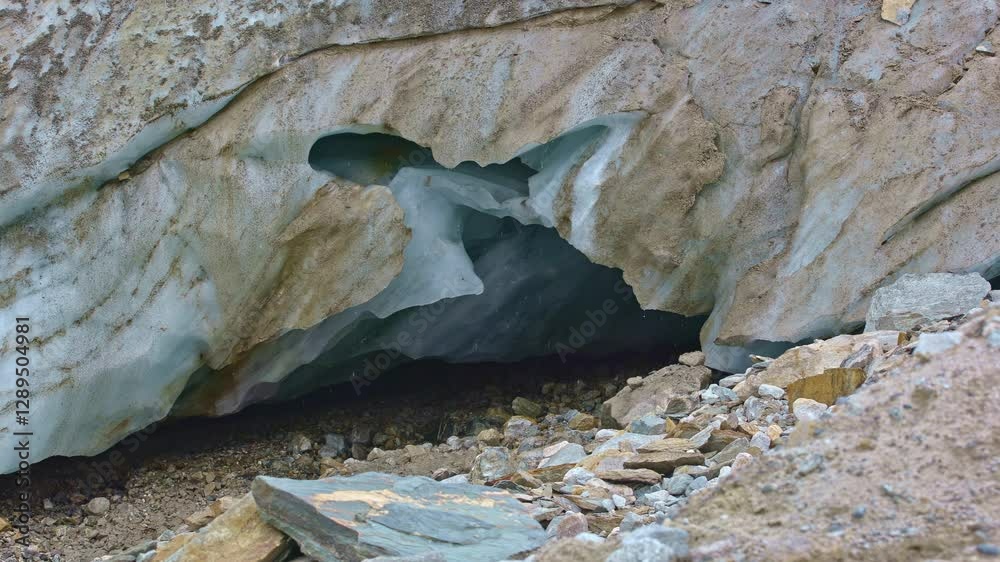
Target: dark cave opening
{"x":539,"y":296}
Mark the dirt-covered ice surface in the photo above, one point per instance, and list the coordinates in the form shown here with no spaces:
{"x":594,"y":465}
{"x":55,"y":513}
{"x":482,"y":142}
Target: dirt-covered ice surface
{"x":906,"y":469}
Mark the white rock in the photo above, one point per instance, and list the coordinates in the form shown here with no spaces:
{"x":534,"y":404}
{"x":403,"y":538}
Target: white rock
{"x":770,"y":391}
{"x":732,"y":380}
{"x":929,"y":344}
{"x":806,"y":409}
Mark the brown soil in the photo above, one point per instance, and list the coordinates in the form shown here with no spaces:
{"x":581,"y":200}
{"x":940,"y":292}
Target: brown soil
{"x":907,"y":470}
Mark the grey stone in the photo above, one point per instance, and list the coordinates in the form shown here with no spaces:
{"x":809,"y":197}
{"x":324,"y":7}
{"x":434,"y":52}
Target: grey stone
{"x":577,"y":475}
{"x":674,"y":539}
{"x":98,"y":506}
{"x":492,"y":464}
{"x":806,"y":409}
{"x":643,"y":550}
{"x":457,"y":479}
{"x":715,"y":393}
{"x":361,"y":435}
{"x":665,"y":390}
{"x":732,"y":380}
{"x":753,"y":408}
{"x":336,"y":446}
{"x":299,"y":444}
{"x":696,"y":484}
{"x":988,"y":549}
{"x":649,"y":424}
{"x":635,"y":440}
{"x":729,"y":452}
{"x":631,"y":521}
{"x":654,"y":497}
{"x":561,"y":453}
{"x":860,"y":359}
{"x":770,"y":391}
{"x":519,"y":427}
{"x":678,"y":484}
{"x":922,"y":298}
{"x":374,"y":514}
{"x":761,"y":440}
{"x":567,"y":525}
{"x":932,"y":344}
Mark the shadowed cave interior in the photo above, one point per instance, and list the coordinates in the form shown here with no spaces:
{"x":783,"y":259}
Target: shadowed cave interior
{"x":539,"y":295}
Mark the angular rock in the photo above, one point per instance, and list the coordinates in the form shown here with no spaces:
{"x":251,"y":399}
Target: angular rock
{"x":524,"y":407}
{"x":715,"y":394}
{"x":562,"y":453}
{"x":826,"y":387}
{"x":567,"y":526}
{"x":670,"y":444}
{"x":812,"y":359}
{"x":639,"y":475}
{"x":770,"y":391}
{"x":665,"y":462}
{"x":577,"y":475}
{"x":335,"y":446}
{"x":897,"y":11}
{"x":583,"y":422}
{"x":808,"y":410}
{"x":932,"y":344}
{"x":678,"y":484}
{"x":729,"y":453}
{"x":720,"y":438}
{"x":655,"y":394}
{"x":375,"y":514}
{"x":237,"y":534}
{"x":923,"y":298}
{"x":519,"y":427}
{"x":490,"y":437}
{"x":692,"y":358}
{"x":649,"y":424}
{"x":492,"y":464}
{"x":626,"y":440}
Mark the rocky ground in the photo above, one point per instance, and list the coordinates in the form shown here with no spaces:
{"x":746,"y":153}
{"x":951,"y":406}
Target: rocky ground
{"x":182,"y":468}
{"x":874,"y":446}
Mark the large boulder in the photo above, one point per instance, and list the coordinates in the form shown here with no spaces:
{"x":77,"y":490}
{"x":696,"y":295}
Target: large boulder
{"x":373,"y":514}
{"x":921,"y":299}
{"x":183,"y":242}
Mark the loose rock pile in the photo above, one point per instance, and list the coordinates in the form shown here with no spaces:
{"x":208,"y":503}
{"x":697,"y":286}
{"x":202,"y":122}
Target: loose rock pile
{"x":611,"y":482}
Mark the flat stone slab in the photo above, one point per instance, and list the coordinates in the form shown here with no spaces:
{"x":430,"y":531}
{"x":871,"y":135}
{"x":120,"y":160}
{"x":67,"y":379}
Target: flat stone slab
{"x":374,"y":514}
{"x":924,"y":298}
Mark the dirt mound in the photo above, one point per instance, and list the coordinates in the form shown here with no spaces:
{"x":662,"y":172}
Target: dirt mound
{"x":906,"y":468}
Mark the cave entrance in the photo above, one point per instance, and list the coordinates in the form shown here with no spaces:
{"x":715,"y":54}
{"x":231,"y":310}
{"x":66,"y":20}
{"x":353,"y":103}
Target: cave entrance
{"x":486,"y":278}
